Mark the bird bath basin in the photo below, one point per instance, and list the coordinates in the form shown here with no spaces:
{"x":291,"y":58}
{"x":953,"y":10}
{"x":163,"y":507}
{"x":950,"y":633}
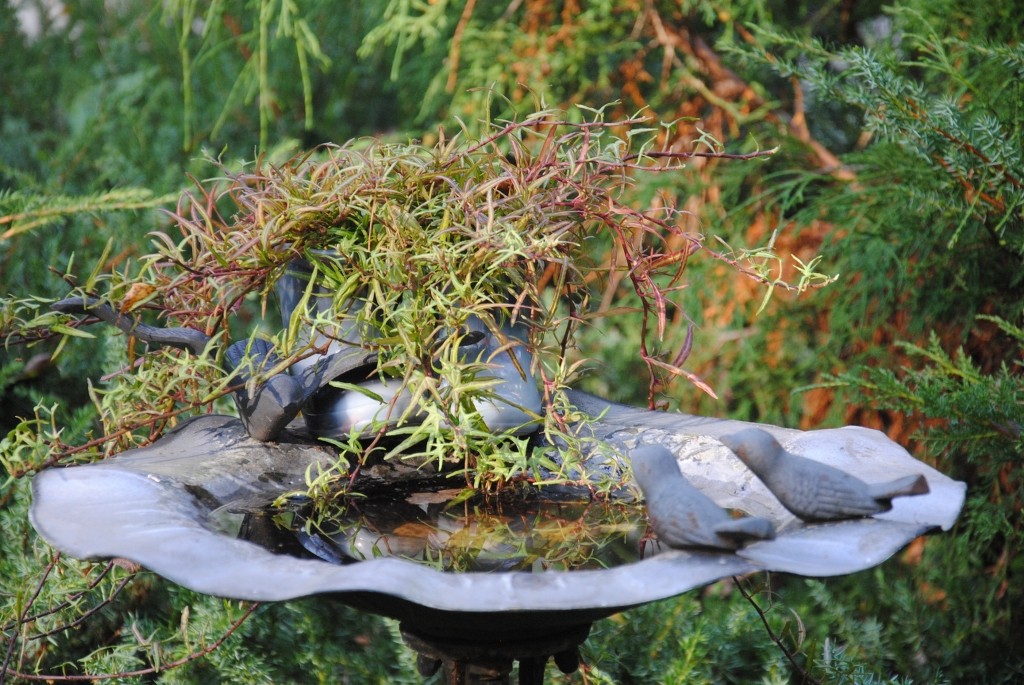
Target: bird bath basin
{"x":184,"y":506}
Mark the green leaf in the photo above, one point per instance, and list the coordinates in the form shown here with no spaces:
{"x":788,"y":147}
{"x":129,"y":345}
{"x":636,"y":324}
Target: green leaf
{"x":69,"y":330}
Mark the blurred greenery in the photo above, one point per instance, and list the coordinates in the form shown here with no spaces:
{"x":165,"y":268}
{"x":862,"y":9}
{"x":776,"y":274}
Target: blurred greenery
{"x":900,"y":167}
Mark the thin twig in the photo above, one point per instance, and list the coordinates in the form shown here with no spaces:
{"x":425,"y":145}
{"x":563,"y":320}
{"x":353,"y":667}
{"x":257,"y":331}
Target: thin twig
{"x":708,"y":154}
{"x":456,"y":49}
{"x":807,"y":678}
{"x":24,"y":612}
{"x":141,"y":672}
{"x":84,"y":617}
{"x":56,"y":457}
{"x":66,"y":603}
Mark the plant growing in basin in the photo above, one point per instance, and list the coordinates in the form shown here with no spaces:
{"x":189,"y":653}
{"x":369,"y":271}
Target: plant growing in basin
{"x":454,"y":275}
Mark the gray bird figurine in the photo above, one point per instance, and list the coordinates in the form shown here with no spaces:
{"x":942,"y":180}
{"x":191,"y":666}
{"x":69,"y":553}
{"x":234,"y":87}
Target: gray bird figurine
{"x":811,"y":490}
{"x":683,"y":516}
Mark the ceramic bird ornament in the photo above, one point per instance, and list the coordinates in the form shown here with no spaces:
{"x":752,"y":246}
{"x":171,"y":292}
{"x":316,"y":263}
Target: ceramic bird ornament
{"x":683,"y":516}
{"x":811,"y":490}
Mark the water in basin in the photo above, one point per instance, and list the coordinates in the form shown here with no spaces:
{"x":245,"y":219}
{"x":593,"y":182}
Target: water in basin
{"x":435,"y":527}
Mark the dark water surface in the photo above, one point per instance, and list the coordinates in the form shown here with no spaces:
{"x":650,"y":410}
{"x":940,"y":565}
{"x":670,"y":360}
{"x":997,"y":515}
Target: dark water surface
{"x":435,"y":528}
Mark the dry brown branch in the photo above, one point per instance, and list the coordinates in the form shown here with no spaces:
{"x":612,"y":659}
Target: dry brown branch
{"x":456,"y":49}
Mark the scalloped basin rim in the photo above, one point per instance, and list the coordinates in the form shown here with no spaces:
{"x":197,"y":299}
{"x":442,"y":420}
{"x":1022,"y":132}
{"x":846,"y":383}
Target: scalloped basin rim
{"x":149,"y":505}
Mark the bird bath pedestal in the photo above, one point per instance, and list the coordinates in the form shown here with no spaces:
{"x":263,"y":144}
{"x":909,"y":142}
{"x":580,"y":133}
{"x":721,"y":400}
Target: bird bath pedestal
{"x":164,"y":507}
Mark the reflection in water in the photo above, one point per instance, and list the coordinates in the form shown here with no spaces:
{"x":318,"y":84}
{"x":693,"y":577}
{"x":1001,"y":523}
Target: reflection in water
{"x":434,"y":528}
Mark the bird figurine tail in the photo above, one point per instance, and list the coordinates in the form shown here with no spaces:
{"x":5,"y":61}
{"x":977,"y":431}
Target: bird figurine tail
{"x":914,"y":484}
{"x":746,"y":528}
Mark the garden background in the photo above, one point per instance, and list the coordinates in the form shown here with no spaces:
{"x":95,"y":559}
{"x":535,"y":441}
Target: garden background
{"x":899,"y":171}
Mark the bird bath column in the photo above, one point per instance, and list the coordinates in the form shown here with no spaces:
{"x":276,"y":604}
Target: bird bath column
{"x":472,"y":663}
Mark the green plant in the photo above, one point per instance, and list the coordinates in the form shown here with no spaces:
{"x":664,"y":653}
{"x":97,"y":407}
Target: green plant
{"x":100,"y":104}
{"x":972,"y":426}
{"x":422,"y":238}
{"x":936,"y":123}
{"x":934,"y":195}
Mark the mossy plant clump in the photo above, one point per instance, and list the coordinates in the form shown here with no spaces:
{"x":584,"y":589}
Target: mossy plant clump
{"x":403,"y":244}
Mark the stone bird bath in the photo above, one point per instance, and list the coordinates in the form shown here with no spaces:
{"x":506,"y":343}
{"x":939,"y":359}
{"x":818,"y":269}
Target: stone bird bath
{"x":164,"y":506}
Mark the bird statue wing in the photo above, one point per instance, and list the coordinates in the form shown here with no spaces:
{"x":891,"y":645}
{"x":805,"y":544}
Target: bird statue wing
{"x":835,"y":499}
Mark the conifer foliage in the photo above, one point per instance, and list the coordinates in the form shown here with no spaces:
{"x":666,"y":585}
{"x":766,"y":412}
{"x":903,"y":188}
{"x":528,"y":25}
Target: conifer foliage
{"x":899,"y":176}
